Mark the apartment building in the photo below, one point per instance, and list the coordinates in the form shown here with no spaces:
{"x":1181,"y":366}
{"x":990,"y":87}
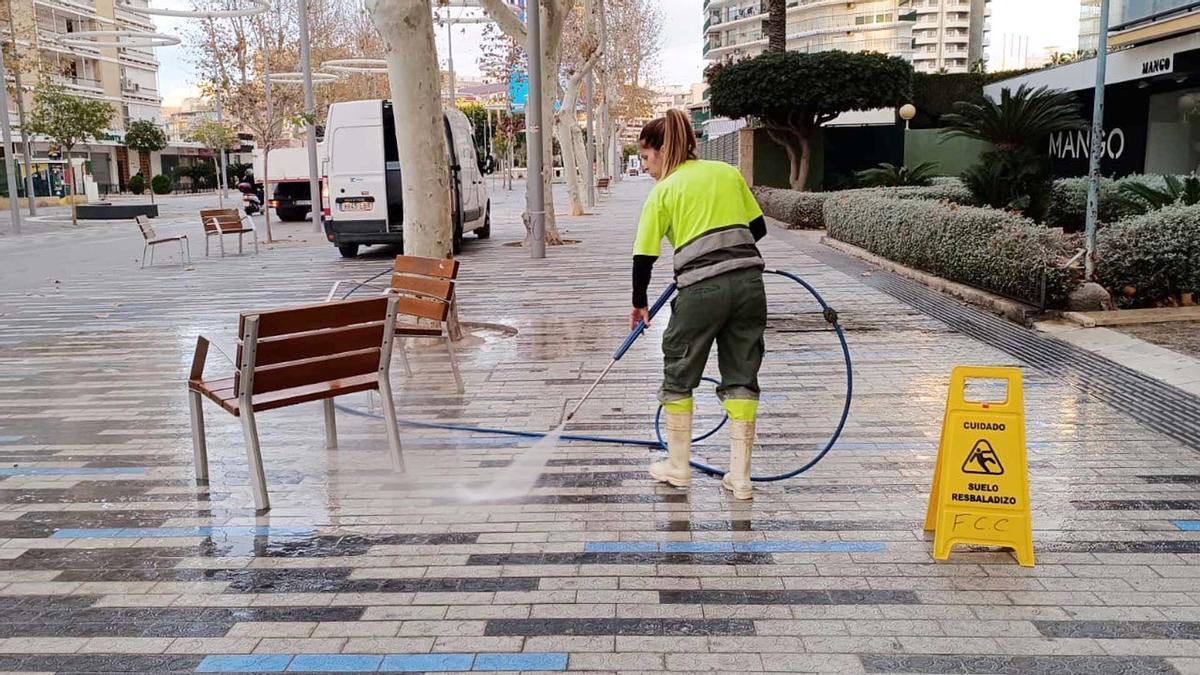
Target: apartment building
{"x":124,"y":77}
{"x":733,"y":29}
{"x":950,"y":36}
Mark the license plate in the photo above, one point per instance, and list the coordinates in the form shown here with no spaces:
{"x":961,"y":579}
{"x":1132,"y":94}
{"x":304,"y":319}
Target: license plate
{"x":356,"y":206}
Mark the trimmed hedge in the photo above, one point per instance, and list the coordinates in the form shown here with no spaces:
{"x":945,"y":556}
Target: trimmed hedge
{"x":799,"y":210}
{"x":1068,"y":200}
{"x":137,"y":184}
{"x":1156,"y":256}
{"x":805,"y":210}
{"x":160,"y":185}
{"x":990,"y":249}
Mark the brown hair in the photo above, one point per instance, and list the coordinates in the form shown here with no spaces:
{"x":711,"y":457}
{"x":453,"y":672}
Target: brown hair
{"x":672,"y":135}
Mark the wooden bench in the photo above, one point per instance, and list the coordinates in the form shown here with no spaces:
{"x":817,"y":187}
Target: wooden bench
{"x":425,"y":287}
{"x":297,"y":355}
{"x":602,"y":184}
{"x":220,"y":222}
{"x":151,"y":239}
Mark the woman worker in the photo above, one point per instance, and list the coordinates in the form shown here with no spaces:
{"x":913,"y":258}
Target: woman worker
{"x":706,"y":211}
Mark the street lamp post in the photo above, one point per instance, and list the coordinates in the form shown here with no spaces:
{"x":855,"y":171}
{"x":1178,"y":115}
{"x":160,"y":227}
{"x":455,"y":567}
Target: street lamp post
{"x":1093,"y":196}
{"x":534,"y":194}
{"x":310,"y":128}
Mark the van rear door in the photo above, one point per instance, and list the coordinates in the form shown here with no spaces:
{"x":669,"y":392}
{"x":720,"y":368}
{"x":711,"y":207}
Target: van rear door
{"x":357,"y":183}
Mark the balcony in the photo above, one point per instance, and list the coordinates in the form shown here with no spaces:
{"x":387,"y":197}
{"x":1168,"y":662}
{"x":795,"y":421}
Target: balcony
{"x":75,"y":82}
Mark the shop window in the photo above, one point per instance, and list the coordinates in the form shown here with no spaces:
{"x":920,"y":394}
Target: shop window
{"x":1173,"y":137}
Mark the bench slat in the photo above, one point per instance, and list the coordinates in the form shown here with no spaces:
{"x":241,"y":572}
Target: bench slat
{"x":423,"y":308}
{"x":427,"y":267}
{"x":307,"y":318}
{"x":423,"y":286}
{"x":293,"y":374}
{"x":221,"y":392}
{"x":294,"y":347}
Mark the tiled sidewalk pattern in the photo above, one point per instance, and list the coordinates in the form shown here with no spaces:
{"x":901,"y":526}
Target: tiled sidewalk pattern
{"x":113,"y":560}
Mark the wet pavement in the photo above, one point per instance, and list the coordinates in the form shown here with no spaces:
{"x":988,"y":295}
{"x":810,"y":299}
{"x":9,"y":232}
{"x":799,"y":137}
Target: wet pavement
{"x":112,"y":559}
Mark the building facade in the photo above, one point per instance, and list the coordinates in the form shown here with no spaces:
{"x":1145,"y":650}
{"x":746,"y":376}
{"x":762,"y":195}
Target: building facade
{"x":124,"y":77}
{"x":733,"y":29}
{"x":1152,"y":93}
{"x":950,"y":35}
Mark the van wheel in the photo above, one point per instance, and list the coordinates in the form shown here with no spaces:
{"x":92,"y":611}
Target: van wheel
{"x":348,"y":250}
{"x":485,"y":231}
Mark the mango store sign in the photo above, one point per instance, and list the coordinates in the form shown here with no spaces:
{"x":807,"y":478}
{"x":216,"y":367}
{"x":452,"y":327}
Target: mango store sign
{"x":1077,"y":144}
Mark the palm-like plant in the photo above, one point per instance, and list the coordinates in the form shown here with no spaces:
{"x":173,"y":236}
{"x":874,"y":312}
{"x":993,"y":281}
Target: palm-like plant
{"x":890,"y":175}
{"x":1138,"y":198}
{"x":1021,"y":119}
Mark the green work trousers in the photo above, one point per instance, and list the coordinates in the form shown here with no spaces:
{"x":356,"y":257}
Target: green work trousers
{"x":731,"y":309}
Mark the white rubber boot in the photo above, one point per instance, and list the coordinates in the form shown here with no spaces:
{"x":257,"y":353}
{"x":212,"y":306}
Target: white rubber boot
{"x":675,"y":470}
{"x":741,"y":440}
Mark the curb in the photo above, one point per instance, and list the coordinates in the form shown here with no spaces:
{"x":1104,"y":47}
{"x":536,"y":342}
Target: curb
{"x":1012,"y":310}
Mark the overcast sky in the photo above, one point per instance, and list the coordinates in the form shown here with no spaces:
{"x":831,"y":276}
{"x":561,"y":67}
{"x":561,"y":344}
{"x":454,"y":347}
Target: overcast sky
{"x":1057,"y":25}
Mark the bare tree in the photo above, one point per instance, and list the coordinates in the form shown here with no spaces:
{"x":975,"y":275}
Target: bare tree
{"x":553,"y":16}
{"x":582,"y":49}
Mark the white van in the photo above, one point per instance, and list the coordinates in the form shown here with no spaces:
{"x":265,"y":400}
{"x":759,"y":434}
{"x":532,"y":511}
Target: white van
{"x":364,"y":203}
{"x":286,"y":189}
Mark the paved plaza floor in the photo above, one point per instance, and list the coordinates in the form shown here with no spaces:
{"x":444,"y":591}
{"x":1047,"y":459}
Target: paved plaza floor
{"x":112,"y":559}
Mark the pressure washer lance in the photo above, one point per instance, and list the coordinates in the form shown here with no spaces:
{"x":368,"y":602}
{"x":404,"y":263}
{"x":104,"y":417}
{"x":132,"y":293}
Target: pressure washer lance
{"x":629,"y":340}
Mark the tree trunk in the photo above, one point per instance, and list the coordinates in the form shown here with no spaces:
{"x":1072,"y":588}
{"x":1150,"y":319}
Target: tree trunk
{"x":406,"y":27}
{"x":777,"y":25}
{"x":313,"y":199}
{"x":563,"y":123}
{"x":70,"y":185}
{"x":796,"y":145}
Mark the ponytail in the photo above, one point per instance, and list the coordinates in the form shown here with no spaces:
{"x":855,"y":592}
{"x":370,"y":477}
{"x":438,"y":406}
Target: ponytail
{"x":672,"y":135}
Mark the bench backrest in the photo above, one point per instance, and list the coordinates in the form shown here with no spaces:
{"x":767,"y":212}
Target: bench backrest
{"x":226,"y":219}
{"x":313,"y":344}
{"x":147,"y":229}
{"x":601,"y":182}
{"x":425,"y":286}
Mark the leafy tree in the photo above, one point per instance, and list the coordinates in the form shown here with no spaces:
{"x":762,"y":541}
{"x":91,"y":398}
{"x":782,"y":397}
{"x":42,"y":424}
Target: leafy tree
{"x":69,"y":120}
{"x":890,"y":175}
{"x":1015,"y":174}
{"x":776,"y":25}
{"x":792,"y":94}
{"x":144,"y":137}
{"x":216,"y":136}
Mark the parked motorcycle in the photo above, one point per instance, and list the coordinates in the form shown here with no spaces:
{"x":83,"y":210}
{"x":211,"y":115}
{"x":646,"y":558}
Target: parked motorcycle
{"x":252,"y":197}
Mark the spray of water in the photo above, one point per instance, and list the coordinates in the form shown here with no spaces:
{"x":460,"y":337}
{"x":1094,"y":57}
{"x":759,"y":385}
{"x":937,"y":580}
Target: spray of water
{"x":518,"y":478}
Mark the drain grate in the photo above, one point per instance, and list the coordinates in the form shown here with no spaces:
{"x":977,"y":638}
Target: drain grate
{"x":1159,"y":406}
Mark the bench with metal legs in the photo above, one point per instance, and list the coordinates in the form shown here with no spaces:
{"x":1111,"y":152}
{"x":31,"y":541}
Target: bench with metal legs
{"x":151,"y":240}
{"x":220,"y":222}
{"x":299,"y":355}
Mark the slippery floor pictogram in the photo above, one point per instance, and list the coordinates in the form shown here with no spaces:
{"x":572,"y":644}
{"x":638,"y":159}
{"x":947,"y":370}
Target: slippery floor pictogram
{"x":983,"y":460}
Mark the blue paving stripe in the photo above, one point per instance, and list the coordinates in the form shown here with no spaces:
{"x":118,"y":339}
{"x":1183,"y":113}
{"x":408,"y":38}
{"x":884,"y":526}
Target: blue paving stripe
{"x":621,"y":547}
{"x":71,"y":471}
{"x":556,"y":661}
{"x":335,"y":663}
{"x":736,"y":547}
{"x":696,"y":547}
{"x":425,"y":663}
{"x":244,"y":663}
{"x":1188,"y":525}
{"x":11,"y":439}
{"x":218,"y":532}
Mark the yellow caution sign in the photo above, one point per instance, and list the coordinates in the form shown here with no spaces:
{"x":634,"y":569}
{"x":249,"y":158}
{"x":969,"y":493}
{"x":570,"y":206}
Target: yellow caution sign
{"x":980,"y":492}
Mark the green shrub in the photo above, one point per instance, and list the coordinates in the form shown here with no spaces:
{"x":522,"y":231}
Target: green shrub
{"x":890,"y":175}
{"x":1142,"y":198}
{"x":1067,"y":206}
{"x":799,"y":210}
{"x":994,"y":250}
{"x":1018,"y":180}
{"x":137,"y":184}
{"x":161,"y":185}
{"x":1149,"y":260}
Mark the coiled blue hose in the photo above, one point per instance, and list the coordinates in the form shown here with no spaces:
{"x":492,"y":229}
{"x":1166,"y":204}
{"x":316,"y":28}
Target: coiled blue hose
{"x":828,"y":312}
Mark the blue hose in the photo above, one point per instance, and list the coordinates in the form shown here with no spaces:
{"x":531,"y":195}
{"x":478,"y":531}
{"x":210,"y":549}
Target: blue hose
{"x":828,"y":312}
